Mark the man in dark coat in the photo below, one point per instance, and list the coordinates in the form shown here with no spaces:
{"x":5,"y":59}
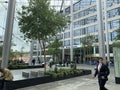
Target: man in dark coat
{"x":102,"y":71}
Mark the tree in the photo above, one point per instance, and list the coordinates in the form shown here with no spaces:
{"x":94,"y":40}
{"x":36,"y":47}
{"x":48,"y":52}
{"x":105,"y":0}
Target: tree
{"x":54,"y":49}
{"x":116,"y":42}
{"x":39,"y":21}
{"x":87,"y":42}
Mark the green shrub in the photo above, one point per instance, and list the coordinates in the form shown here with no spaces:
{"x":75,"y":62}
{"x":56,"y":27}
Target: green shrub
{"x":63,"y":72}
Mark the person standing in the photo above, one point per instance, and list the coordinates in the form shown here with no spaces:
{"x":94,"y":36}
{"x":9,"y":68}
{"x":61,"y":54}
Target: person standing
{"x":33,"y":62}
{"x":6,"y":75}
{"x":102,"y":71}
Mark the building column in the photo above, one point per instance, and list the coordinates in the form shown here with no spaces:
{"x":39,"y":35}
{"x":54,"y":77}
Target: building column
{"x":62,"y":33}
{"x":106,"y":30}
{"x":100,"y":29}
{"x":71,"y":33}
{"x":8,"y":33}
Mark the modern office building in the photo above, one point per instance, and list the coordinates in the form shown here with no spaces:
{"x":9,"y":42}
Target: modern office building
{"x":84,"y":16}
{"x":85,"y":19}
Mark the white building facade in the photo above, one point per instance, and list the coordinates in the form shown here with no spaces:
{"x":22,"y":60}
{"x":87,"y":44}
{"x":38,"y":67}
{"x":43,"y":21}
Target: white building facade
{"x":84,"y":19}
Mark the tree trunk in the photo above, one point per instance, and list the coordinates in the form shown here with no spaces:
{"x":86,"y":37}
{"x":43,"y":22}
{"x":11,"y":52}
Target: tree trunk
{"x":44,"y":56}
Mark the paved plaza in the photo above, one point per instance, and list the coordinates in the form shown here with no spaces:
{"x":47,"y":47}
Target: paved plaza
{"x":78,"y":83}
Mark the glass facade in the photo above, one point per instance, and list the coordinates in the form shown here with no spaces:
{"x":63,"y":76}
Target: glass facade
{"x":113,"y":35}
{"x":87,"y":30}
{"x":67,"y":35}
{"x":82,"y":4}
{"x":113,"y":13}
{"x":67,"y":27}
{"x":76,"y":41}
{"x":86,"y":12}
{"x":114,"y":24}
{"x":67,"y":11}
{"x":67,"y":43}
{"x":85,"y":21}
{"x":112,"y":2}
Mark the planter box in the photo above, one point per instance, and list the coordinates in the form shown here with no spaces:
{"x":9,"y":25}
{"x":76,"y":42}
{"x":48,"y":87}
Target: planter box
{"x":28,"y":67}
{"x":40,"y":80}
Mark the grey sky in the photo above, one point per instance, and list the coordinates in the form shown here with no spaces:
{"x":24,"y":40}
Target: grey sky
{"x":16,"y":33}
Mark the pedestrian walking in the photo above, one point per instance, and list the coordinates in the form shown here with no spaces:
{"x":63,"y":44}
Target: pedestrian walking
{"x":6,"y":75}
{"x":102,"y":71}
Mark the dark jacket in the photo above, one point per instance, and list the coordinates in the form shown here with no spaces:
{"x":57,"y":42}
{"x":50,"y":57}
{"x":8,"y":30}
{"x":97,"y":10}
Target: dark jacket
{"x":104,"y":71}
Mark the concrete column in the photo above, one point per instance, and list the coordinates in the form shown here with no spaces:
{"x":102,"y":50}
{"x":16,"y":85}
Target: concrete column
{"x":8,"y":33}
{"x":100,"y":30}
{"x":63,"y":51}
{"x":71,"y":33}
{"x":106,"y":30}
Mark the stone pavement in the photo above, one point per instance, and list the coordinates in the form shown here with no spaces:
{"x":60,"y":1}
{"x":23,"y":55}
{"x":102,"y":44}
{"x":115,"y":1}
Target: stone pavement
{"x":78,"y":83}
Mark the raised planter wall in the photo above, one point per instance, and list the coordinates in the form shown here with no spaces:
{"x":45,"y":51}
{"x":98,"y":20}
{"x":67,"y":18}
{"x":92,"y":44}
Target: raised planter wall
{"x":39,"y":80}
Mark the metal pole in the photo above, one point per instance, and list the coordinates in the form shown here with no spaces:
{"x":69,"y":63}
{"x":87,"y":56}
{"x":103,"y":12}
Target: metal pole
{"x":8,"y":33}
{"x":106,"y":29}
{"x":71,"y":33}
{"x":63,"y":51}
{"x":100,"y":30}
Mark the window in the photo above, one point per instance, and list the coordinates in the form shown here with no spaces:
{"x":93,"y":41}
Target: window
{"x":67,"y":11}
{"x":67,"y":35}
{"x":113,"y":35}
{"x":76,"y":32}
{"x":76,"y":41}
{"x":114,"y":24}
{"x":113,"y":12}
{"x":67,"y":43}
{"x":112,"y":2}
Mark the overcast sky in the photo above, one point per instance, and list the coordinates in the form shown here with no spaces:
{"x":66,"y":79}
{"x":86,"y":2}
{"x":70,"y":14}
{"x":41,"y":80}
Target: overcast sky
{"x":16,"y":39}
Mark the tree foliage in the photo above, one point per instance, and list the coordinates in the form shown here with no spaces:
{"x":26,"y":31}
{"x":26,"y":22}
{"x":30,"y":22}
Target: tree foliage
{"x":39,"y":21}
{"x":116,"y":42}
{"x":87,"y":42}
{"x":54,"y":47}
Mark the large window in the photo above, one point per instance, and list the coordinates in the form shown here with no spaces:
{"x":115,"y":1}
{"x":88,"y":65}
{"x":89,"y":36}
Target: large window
{"x":85,"y":21}
{"x":114,"y":24}
{"x":82,"y":4}
{"x":76,"y":41}
{"x":113,"y":35}
{"x":113,"y":12}
{"x":67,"y":11}
{"x":67,"y":35}
{"x":112,"y":2}
{"x":67,"y":27}
{"x":91,"y":29}
{"x":85,"y":12}
{"x":67,"y":43}
{"x":60,"y":36}
{"x":77,"y":32}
